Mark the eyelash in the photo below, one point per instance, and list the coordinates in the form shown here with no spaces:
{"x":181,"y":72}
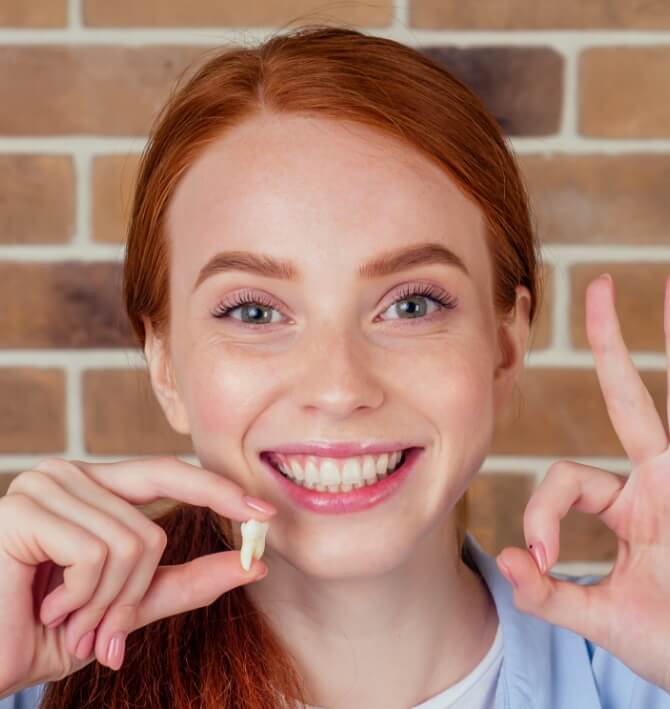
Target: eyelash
{"x":439,"y":296}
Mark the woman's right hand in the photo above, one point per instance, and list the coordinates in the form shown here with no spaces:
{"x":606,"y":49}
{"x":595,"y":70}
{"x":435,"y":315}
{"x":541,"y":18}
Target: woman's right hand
{"x":71,"y":526}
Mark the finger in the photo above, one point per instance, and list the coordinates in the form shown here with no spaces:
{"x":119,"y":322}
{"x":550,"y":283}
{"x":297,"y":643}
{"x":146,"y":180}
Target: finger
{"x":50,"y":538}
{"x":629,"y":404}
{"x":141,"y":481}
{"x":583,"y":609}
{"x":197,"y":583}
{"x":124,"y":553}
{"x":568,"y":485}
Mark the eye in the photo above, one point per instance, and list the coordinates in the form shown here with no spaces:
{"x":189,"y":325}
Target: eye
{"x":413,"y":294}
{"x":243,"y":301}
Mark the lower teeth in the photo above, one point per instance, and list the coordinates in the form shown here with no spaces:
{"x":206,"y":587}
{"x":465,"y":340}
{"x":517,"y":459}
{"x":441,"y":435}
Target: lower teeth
{"x":366,"y":483}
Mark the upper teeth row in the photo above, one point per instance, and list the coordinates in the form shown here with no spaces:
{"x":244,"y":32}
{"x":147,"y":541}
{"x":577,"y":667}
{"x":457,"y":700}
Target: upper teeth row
{"x":314,"y":470}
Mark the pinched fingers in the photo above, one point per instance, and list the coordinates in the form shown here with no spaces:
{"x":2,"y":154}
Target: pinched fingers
{"x":567,"y":485}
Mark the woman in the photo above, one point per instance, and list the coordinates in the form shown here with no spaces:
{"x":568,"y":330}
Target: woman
{"x":330,"y":256}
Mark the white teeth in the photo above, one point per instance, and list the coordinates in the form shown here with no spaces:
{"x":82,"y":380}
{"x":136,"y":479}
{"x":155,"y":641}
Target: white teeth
{"x":334,"y":475}
{"x":253,"y":541}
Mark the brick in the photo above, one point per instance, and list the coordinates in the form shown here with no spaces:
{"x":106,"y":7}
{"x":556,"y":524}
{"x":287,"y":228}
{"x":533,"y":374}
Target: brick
{"x":90,"y":89}
{"x":123,"y":417}
{"x":36,"y":13}
{"x":37,"y":199}
{"x":624,"y":92}
{"x":533,"y":15}
{"x":113,"y":182}
{"x":497,"y":502}
{"x":521,"y":86}
{"x":62,"y":304}
{"x":600,"y":199}
{"x":541,"y":332}
{"x":496,"y":505}
{"x":639,"y":309}
{"x":561,"y":412}
{"x":32,"y":410}
{"x":213,"y":13}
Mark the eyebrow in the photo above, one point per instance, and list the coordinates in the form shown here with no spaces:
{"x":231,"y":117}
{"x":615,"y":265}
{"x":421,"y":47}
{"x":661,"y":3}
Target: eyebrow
{"x":384,"y":265}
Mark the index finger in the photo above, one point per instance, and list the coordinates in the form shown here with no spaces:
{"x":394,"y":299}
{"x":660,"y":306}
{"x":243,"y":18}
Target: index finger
{"x":144,"y":480}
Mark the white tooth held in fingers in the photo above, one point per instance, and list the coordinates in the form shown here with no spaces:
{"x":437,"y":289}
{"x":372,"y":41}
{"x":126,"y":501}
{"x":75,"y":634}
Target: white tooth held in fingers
{"x":253,"y":541}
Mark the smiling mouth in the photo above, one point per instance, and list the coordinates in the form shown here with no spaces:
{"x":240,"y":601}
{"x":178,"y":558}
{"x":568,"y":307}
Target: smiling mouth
{"x":313,"y":481}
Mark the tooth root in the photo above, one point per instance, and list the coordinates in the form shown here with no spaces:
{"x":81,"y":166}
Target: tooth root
{"x":253,"y":541}
{"x":245,"y":554}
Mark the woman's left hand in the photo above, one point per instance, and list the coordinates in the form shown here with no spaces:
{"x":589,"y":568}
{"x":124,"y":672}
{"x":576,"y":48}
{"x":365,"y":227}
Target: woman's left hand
{"x":628,"y":611}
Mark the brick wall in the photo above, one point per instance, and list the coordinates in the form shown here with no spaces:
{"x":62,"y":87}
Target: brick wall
{"x":581,"y":89}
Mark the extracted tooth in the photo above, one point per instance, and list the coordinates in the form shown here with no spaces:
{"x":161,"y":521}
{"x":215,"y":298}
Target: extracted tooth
{"x":253,"y":541}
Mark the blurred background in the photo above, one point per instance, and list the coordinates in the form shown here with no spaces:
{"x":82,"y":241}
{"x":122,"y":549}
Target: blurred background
{"x":581,"y":88}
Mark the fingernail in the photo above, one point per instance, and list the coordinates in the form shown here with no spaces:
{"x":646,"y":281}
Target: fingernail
{"x":115,"y":650}
{"x":259,"y":505}
{"x":85,"y":645}
{"x":540,"y":556}
{"x":508,"y":574}
{"x":606,"y":275}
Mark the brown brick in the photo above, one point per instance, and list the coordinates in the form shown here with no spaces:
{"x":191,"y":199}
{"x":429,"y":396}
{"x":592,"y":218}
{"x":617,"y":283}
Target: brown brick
{"x":541,"y":331}
{"x":62,"y":304}
{"x":496,"y":505}
{"x":36,"y":13}
{"x":561,"y":412}
{"x":624,"y":92}
{"x":123,"y":417}
{"x":600,"y":199}
{"x":213,"y":13}
{"x":113,"y":180}
{"x":497,"y":502}
{"x":639,"y":308}
{"x":90,"y":89}
{"x":521,"y":86}
{"x":533,"y":15}
{"x":32,"y":410}
{"x":37,"y":199}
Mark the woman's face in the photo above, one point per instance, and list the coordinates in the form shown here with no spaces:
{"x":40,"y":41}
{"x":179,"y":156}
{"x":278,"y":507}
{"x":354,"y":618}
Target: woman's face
{"x":332,"y":355}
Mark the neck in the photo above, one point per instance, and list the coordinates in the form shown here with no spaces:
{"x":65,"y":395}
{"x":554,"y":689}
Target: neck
{"x":432,"y":617}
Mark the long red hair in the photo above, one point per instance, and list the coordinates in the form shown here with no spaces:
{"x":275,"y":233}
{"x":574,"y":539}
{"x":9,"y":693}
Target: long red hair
{"x":225,"y":654}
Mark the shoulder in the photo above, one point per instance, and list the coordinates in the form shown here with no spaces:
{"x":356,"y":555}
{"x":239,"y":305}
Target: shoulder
{"x":27,"y":698}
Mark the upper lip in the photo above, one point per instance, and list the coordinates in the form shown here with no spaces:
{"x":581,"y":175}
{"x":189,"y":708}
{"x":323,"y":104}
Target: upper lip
{"x":339,"y":449}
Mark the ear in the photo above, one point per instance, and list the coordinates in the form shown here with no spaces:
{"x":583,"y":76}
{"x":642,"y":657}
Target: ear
{"x":163,"y":381}
{"x":513,"y":334}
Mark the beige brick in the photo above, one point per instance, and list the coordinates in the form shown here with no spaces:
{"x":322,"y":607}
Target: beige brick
{"x":534,"y":15}
{"x":541,"y":332}
{"x":624,"y":92}
{"x":123,"y":417}
{"x":213,"y":13}
{"x":33,"y":13}
{"x":638,"y":295}
{"x":522,"y":87}
{"x":32,"y":410}
{"x":497,"y":502}
{"x":37,"y":199}
{"x":90,"y":89}
{"x":114,"y":179}
{"x":62,"y":304}
{"x":561,"y":412}
{"x":600,"y":199}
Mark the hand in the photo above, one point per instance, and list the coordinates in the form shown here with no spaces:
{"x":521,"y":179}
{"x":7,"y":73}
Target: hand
{"x":71,"y":526}
{"x":628,"y":611}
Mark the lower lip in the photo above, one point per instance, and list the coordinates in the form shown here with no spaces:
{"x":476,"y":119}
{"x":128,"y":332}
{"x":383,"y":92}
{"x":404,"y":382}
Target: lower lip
{"x":361,"y":498}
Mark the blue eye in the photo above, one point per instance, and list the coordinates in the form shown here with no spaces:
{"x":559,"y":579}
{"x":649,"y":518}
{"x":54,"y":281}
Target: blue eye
{"x":254,"y":304}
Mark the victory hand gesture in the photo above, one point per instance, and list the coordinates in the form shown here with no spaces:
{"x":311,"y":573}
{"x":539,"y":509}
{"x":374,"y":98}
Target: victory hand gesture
{"x":627,"y":612}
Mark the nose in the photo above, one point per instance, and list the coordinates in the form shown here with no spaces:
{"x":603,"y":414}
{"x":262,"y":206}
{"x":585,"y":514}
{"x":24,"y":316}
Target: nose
{"x":337,"y":375}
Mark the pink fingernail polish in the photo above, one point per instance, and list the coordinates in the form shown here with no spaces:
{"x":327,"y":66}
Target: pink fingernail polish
{"x":259,"y":505}
{"x":539,"y":554}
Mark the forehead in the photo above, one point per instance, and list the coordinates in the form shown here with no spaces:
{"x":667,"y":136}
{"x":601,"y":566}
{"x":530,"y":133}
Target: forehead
{"x":318,"y":192}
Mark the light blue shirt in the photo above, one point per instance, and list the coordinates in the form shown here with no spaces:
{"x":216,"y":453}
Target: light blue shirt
{"x":544,"y":666}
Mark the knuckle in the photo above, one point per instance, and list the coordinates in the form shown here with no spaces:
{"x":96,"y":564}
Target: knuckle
{"x":30,"y":481}
{"x":50,"y":465}
{"x":129,"y":547}
{"x":95,"y":552}
{"x":156,"y":538}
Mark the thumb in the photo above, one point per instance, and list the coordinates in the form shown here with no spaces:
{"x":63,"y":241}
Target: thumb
{"x":565,"y":603}
{"x":183,"y":587}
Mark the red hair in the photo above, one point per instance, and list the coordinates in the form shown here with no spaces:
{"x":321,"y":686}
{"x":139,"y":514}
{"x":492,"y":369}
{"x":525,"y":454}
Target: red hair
{"x":226,"y":655}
